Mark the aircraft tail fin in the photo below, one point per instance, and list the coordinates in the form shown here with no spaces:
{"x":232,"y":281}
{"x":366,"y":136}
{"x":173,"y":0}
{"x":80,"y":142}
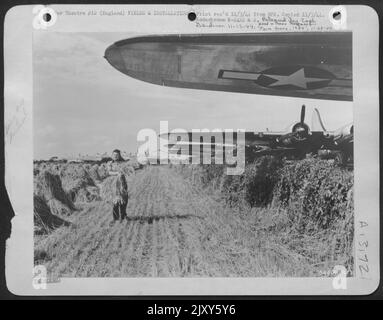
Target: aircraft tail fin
{"x":317,"y":123}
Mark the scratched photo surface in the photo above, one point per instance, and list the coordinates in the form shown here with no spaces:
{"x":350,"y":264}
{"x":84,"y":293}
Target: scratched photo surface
{"x":108,"y":203}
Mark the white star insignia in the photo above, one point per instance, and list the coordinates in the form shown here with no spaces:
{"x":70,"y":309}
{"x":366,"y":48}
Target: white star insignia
{"x":297,"y":79}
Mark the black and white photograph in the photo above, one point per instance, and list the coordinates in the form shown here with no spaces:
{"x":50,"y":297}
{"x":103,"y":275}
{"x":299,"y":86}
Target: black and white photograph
{"x":102,"y":210}
{"x":220,"y":150}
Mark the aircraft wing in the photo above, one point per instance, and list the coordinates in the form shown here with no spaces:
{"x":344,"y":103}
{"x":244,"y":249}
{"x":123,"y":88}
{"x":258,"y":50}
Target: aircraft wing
{"x":258,"y":144}
{"x":218,"y":139}
{"x":188,"y":143}
{"x":196,"y":143}
{"x":307,"y":64}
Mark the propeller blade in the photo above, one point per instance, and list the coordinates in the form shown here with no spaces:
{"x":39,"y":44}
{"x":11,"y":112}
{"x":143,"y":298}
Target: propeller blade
{"x":303,"y":112}
{"x":319,"y":119}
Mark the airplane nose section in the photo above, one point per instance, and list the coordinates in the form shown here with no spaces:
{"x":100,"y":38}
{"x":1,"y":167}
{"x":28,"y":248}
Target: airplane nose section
{"x":114,"y":57}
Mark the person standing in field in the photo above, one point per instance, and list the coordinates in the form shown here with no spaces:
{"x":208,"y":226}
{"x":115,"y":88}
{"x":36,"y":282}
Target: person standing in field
{"x":120,"y":192}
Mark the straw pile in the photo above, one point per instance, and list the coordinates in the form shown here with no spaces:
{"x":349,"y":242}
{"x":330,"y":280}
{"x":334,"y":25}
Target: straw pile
{"x":48,"y":186}
{"x":79,"y":184}
{"x":102,"y":171}
{"x":94,"y":174}
{"x":111,"y":188}
{"x":44,"y":220}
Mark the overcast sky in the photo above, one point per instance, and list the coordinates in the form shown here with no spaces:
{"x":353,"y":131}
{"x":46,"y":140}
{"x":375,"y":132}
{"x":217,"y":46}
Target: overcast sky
{"x":83,"y":105}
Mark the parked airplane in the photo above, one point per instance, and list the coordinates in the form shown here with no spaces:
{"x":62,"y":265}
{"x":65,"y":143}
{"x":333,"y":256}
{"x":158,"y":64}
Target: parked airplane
{"x":296,"y":141}
{"x":298,"y":64}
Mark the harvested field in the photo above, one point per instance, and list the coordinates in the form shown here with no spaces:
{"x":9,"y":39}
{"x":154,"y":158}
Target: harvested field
{"x":176,"y":227}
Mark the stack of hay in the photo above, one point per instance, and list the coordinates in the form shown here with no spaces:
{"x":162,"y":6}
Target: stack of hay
{"x":108,"y":189}
{"x":127,"y":168}
{"x":111,"y":188}
{"x":78,"y":184}
{"x":102,"y":171}
{"x":44,"y":220}
{"x":94,"y":174}
{"x":49,"y":188}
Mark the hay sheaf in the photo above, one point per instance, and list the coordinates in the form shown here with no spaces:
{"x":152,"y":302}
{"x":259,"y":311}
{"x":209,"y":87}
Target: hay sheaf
{"x":75,"y":175}
{"x":102,"y":171}
{"x":78,"y":183}
{"x":49,"y":187}
{"x":44,"y":220}
{"x":110,"y":188}
{"x":87,"y":194}
{"x":127,"y":168}
{"x":54,"y":168}
{"x":94,"y":174}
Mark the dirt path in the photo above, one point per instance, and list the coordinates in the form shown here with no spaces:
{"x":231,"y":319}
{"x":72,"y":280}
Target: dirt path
{"x":173,"y":229}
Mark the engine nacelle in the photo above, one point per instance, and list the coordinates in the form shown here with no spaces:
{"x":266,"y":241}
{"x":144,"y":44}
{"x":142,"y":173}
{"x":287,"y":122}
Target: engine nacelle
{"x":296,"y":134}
